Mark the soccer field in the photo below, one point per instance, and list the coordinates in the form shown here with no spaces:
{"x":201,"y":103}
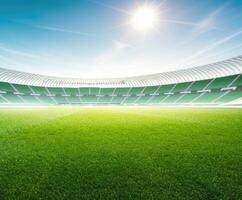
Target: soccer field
{"x":120,"y":153}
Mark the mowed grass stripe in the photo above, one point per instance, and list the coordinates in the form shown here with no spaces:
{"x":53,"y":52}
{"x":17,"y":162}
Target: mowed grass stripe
{"x":123,"y":153}
{"x":12,"y":120}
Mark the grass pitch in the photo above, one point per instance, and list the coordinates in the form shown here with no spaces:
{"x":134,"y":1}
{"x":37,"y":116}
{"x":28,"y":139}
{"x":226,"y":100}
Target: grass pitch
{"x":120,"y":153}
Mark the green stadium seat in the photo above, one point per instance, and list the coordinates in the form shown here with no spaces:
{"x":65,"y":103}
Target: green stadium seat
{"x":91,"y":95}
{"x":88,"y":99}
{"x":84,"y":91}
{"x":230,"y":96}
{"x":104,"y":99}
{"x":165,"y":88}
{"x":39,"y":90}
{"x":208,"y":97}
{"x":150,"y":90}
{"x":106,"y":91}
{"x":172,"y":98}
{"x":46,"y":100}
{"x":130,"y":100}
{"x":60,"y":100}
{"x":13,"y":98}
{"x":30,"y":99}
{"x":238,"y":81}
{"x":71,"y":91}
{"x":73,"y":99}
{"x":157,"y":99}
{"x":122,"y":91}
{"x":117,"y":99}
{"x":199,"y":85}
{"x":222,"y":82}
{"x":6,"y":87}
{"x":180,"y":87}
{"x":94,"y":91}
{"x":136,"y":90}
{"x":55,"y":91}
{"x":22,"y":88}
{"x":188,"y":98}
{"x":143,"y":100}
{"x":2,"y":99}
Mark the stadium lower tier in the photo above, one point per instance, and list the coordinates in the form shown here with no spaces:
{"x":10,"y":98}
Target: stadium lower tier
{"x":222,"y":90}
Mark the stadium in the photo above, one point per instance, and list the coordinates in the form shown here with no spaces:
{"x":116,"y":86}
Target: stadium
{"x":213,"y":84}
{"x":145,"y":109}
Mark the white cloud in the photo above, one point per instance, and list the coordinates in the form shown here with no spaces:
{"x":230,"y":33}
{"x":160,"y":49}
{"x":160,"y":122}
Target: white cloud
{"x":209,"y":22}
{"x":187,"y":23}
{"x":109,"y":6}
{"x":204,"y":26}
{"x":17,"y":52}
{"x":117,"y":49}
{"x":210,"y":47}
{"x":120,"y":45}
{"x":56,"y":29}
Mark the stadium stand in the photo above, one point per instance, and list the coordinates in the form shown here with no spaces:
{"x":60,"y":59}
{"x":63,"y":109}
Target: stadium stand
{"x":214,"y":84}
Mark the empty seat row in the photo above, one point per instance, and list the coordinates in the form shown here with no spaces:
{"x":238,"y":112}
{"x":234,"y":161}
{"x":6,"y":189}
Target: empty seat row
{"x":171,"y":93}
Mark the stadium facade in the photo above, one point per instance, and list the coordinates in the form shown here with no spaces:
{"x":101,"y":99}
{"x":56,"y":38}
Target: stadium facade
{"x":218,"y":83}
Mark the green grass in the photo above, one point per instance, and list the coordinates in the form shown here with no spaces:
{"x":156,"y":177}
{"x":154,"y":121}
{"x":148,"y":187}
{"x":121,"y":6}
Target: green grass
{"x":120,"y":153}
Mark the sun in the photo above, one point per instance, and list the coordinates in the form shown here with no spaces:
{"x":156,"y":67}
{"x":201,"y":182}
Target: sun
{"x":145,"y":18}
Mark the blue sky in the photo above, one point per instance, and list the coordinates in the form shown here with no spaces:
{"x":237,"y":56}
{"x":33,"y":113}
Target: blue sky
{"x":93,"y":38}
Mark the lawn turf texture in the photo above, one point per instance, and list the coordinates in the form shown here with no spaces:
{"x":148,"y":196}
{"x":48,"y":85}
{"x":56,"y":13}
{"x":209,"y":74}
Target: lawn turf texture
{"x":120,"y":153}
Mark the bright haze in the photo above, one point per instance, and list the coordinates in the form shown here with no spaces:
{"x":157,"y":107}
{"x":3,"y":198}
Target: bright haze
{"x":114,"y":38}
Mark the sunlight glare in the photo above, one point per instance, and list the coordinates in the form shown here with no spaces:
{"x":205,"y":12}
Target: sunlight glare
{"x":145,"y":18}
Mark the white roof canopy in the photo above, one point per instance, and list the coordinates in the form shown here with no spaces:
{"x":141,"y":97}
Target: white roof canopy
{"x":219,"y":69}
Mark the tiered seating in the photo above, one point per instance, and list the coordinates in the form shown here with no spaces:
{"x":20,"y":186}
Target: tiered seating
{"x":143,"y":100}
{"x":208,"y":97}
{"x":199,"y":85}
{"x":15,"y":99}
{"x":150,"y":90}
{"x":105,"y":95}
{"x":30,"y":99}
{"x":94,"y":91}
{"x":57,"y":95}
{"x":136,"y":90}
{"x":156,"y":99}
{"x":222,"y":82}
{"x":6,"y":87}
{"x":121,"y":91}
{"x":74,"y":99}
{"x":84,"y":91}
{"x":220,"y":90}
{"x":188,"y":98}
{"x":46,"y":100}
{"x":60,"y":100}
{"x":171,"y":98}
{"x":89,"y":99}
{"x":39,"y":90}
{"x":22,"y":88}
{"x":130,"y":100}
{"x":105,"y":99}
{"x":55,"y":91}
{"x":2,"y":100}
{"x":181,"y":87}
{"x":72,"y":92}
{"x":117,"y":100}
{"x":230,"y":96}
{"x":165,"y":88}
{"x":107,"y":91}
{"x":238,"y":81}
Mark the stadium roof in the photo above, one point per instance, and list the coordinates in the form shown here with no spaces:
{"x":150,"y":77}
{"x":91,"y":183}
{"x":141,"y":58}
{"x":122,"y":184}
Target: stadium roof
{"x":219,"y":69}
